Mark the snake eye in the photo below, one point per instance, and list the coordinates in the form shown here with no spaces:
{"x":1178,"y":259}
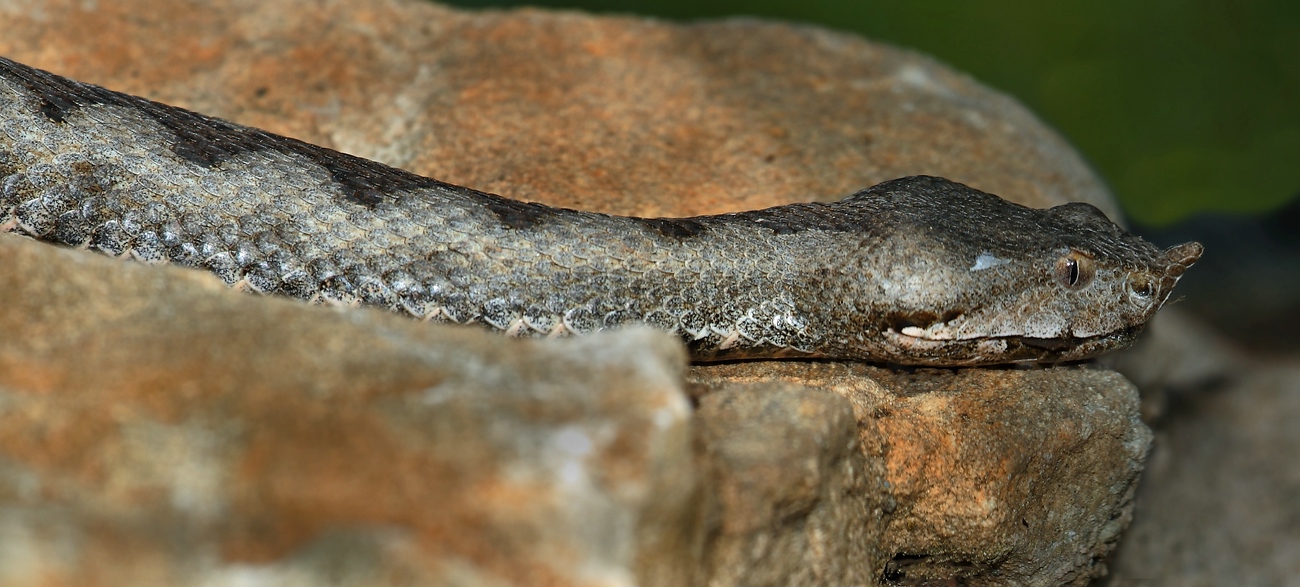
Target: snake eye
{"x":1074,"y":271}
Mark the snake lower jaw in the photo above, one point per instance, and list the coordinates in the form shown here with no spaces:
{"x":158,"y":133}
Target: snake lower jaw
{"x":910,"y":350}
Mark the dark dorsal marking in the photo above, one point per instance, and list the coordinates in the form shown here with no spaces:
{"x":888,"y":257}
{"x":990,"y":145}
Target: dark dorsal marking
{"x":207,"y":141}
{"x":842,"y":216}
{"x":518,"y":215}
{"x":54,"y":108}
{"x":678,"y":228}
{"x":368,"y":197}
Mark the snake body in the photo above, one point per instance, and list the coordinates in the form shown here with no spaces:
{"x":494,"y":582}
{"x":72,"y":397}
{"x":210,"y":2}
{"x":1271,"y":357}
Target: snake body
{"x":919,"y":270}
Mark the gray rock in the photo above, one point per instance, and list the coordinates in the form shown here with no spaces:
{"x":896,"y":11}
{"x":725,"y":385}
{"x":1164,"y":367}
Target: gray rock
{"x":1220,"y":502}
{"x":799,"y":502}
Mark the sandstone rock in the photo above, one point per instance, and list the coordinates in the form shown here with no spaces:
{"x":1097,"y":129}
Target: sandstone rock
{"x":993,"y":477}
{"x":800,"y":504}
{"x":621,"y":115}
{"x":184,"y":435}
{"x":156,"y":426}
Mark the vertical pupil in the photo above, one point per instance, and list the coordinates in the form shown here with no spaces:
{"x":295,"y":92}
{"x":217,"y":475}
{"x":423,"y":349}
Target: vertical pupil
{"x":1073,"y":266}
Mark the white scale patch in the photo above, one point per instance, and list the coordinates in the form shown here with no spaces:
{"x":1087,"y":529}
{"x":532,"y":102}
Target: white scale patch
{"x":986,"y":260}
{"x":937,"y":331}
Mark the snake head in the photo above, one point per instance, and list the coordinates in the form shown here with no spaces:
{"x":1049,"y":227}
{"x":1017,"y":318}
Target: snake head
{"x":1105,"y":284}
{"x":974,"y":279}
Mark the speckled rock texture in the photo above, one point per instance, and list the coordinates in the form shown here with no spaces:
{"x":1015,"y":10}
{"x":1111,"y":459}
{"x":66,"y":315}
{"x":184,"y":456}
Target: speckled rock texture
{"x":158,"y":429}
{"x":140,"y":442}
{"x":980,"y":466}
{"x":1220,"y":503}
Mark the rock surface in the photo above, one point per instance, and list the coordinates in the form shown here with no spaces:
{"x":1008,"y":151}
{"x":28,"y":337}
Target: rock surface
{"x":620,"y":115}
{"x":156,"y":428}
{"x":1220,"y":502}
{"x":153,"y":427}
{"x":800,"y":503}
{"x":980,"y":467}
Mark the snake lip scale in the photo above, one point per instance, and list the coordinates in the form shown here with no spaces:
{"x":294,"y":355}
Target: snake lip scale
{"x":914,"y":271}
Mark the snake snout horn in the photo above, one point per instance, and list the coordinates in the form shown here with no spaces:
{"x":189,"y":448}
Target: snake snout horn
{"x":1182,"y":256}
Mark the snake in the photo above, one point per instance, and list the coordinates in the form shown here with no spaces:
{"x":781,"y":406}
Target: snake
{"x":915,"y":271}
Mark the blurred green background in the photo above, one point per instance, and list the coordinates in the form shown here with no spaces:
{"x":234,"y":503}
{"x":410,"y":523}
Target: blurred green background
{"x":1182,"y":105}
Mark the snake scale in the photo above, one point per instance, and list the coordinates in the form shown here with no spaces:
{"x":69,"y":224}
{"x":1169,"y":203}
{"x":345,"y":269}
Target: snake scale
{"x":915,"y":271}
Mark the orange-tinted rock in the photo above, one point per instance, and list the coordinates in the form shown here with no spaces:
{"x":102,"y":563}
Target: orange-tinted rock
{"x":620,"y":115}
{"x":992,"y":476}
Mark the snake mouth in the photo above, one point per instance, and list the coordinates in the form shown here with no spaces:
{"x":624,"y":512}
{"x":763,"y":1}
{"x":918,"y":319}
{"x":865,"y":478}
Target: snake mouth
{"x":994,"y":350}
{"x":1051,"y":344}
